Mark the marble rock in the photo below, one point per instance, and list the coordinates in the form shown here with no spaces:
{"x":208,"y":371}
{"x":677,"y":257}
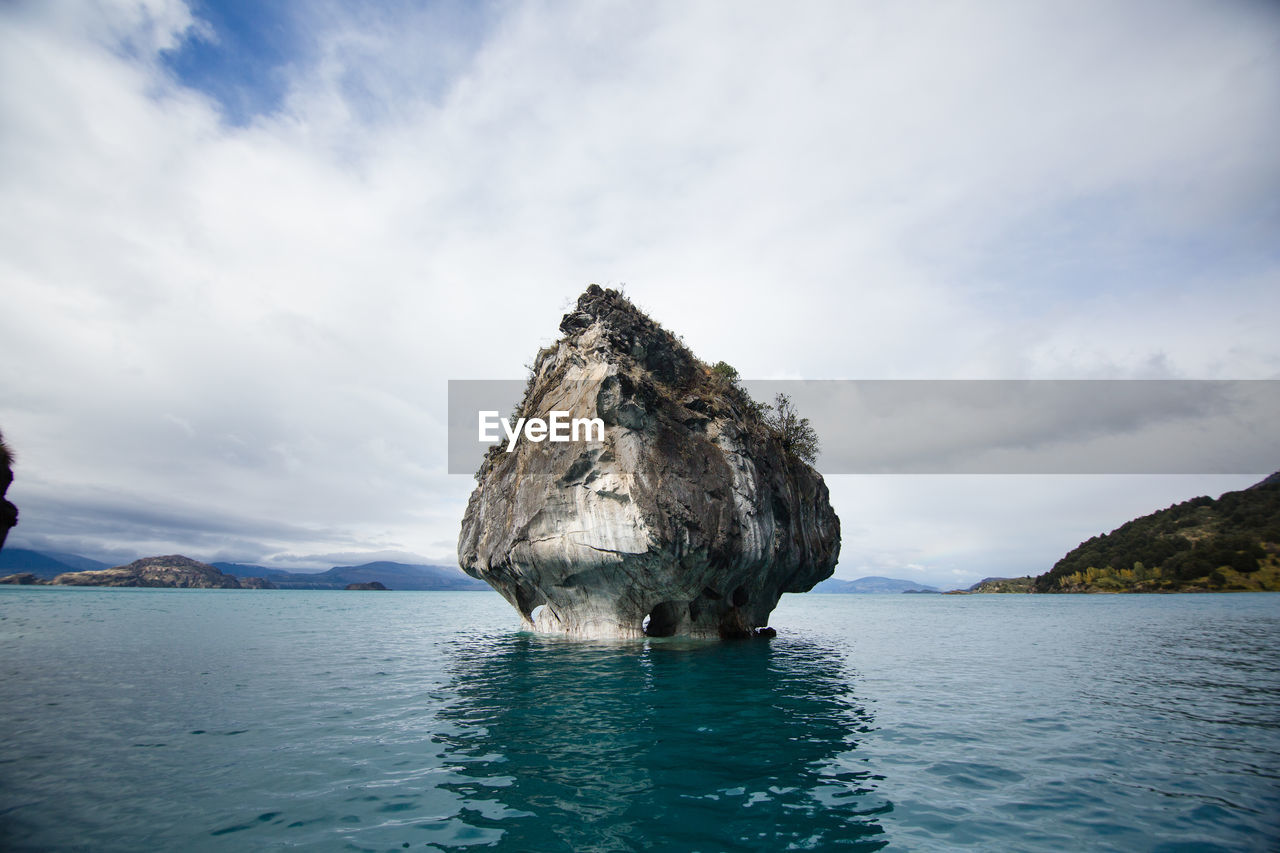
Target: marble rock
{"x":689,"y":518}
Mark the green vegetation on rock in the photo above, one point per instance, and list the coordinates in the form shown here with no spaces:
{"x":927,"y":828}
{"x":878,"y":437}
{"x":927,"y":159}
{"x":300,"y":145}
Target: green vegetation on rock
{"x":795,"y":433}
{"x":1200,"y":545}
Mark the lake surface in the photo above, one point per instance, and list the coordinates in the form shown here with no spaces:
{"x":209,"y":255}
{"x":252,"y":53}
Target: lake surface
{"x":250,"y":720}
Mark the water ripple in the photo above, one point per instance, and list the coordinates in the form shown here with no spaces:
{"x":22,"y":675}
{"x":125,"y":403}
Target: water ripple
{"x":212,"y":720}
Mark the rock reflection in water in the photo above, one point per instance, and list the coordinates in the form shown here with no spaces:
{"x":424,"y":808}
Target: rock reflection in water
{"x":676,"y":744}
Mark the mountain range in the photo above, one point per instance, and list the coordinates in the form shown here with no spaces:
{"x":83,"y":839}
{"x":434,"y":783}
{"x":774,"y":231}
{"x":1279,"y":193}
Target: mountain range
{"x":392,"y":575}
{"x":871,"y":585}
{"x":406,"y":576}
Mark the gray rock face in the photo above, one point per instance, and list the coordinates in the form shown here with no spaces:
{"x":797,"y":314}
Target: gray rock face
{"x":688,"y":518}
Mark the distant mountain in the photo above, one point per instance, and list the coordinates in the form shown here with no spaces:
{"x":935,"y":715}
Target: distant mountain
{"x":1232,"y":543}
{"x":22,"y":560}
{"x":46,"y":565}
{"x":76,"y":561}
{"x":243,"y":570}
{"x":405,"y":576}
{"x":872,"y":585}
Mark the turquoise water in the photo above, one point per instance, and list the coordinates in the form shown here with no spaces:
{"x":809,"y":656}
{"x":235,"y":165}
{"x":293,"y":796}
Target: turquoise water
{"x":234,"y":720}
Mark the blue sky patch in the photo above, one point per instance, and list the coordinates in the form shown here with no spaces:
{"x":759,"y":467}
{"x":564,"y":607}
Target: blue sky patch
{"x":246,"y":51}
{"x":242,"y":65}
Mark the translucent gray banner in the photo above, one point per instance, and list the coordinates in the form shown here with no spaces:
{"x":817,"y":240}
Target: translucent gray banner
{"x":989,"y":426}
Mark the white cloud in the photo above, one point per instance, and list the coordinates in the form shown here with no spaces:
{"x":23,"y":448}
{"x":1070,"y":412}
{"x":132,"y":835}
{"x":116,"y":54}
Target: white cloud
{"x":257,"y":322}
{"x":953,"y":530}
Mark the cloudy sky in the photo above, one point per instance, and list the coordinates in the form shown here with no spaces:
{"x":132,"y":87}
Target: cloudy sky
{"x":243,"y":247}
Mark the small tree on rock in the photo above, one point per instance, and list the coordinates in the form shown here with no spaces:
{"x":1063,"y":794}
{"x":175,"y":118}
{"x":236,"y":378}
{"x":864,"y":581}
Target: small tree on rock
{"x":796,"y":433}
{"x":725,"y":371}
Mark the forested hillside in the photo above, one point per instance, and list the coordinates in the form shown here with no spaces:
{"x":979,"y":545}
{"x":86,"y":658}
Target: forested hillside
{"x":1227,"y":544}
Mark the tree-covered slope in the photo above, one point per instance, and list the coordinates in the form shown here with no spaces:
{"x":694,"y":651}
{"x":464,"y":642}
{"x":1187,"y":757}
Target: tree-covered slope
{"x":1232,"y":543}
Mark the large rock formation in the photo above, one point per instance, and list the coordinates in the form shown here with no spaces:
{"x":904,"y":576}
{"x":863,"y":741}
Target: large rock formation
{"x":171,"y":571}
{"x":8,"y":512}
{"x":690,"y":517}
